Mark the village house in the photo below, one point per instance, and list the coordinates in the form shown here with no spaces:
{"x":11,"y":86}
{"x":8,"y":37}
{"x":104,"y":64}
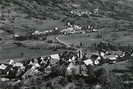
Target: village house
{"x":71,"y":29}
{"x":80,"y":12}
{"x":68,"y":30}
{"x":34,"y":36}
{"x":20,"y":36}
{"x":96,"y":11}
{"x":77,"y":62}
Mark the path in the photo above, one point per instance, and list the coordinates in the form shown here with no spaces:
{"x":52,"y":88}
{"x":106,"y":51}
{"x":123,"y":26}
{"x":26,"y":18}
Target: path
{"x":62,"y":42}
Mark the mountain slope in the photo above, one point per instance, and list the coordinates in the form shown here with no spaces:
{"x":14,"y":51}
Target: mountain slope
{"x":120,"y":9}
{"x":112,"y":15}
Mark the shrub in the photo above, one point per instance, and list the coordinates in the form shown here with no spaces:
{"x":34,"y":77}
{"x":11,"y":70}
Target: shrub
{"x":50,"y":41}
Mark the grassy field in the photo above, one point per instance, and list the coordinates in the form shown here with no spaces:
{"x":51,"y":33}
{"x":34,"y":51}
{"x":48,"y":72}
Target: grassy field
{"x":15,"y":53}
{"x":83,"y":40}
{"x":123,"y":38}
{"x":40,"y":25}
{"x":31,"y":48}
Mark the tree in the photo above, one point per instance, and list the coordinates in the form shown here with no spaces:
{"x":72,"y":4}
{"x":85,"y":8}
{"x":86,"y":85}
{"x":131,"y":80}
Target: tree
{"x":99,"y":35}
{"x":81,"y":44}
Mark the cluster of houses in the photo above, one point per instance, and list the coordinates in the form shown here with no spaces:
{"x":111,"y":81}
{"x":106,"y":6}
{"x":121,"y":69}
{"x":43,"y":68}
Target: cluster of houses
{"x":36,"y":35}
{"x":33,"y":36}
{"x":46,"y":32}
{"x":42,"y":33}
{"x":76,"y":62}
{"x":78,"y":12}
{"x":71,"y":29}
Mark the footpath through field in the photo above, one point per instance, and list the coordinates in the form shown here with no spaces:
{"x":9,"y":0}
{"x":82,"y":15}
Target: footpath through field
{"x":64,"y":43}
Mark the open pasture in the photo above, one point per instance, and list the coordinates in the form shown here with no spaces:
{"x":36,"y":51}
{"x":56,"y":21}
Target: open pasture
{"x":82,"y":40}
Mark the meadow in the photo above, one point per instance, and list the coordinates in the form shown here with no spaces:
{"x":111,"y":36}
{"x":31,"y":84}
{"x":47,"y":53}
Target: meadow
{"x":121,"y":38}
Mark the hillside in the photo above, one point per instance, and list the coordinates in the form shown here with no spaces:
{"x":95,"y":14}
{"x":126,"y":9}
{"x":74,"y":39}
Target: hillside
{"x":60,"y":9}
{"x":112,"y":19}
